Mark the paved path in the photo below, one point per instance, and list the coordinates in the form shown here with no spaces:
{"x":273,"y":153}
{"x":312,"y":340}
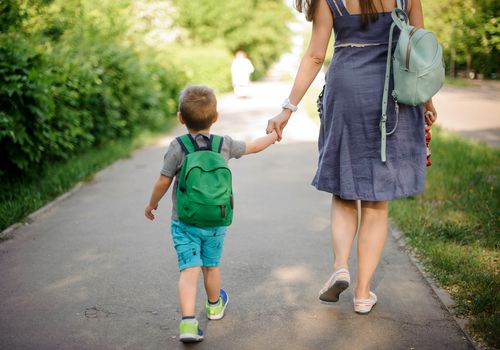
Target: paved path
{"x":473,"y":111}
{"x":93,"y":273}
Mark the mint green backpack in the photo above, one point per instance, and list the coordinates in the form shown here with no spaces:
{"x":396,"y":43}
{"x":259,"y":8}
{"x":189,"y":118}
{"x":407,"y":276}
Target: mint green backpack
{"x":204,"y":192}
{"x":418,"y":68}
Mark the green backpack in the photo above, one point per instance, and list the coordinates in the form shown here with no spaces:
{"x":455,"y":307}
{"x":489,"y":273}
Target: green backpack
{"x":418,"y":68}
{"x":204,"y":192}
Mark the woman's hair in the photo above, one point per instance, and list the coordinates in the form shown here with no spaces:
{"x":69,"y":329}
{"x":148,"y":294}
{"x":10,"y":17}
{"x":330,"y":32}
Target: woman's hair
{"x":368,"y":10}
{"x":307,"y":7}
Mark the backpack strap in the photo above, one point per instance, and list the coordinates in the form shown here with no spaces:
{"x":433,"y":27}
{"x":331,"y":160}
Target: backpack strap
{"x":187,"y":143}
{"x":403,"y":4}
{"x":216,"y":142}
{"x":400,"y":19}
{"x":383,"y":119}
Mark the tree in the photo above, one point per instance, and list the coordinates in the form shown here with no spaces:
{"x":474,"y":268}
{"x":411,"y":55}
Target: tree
{"x":258,"y":27}
{"x":469,"y":31}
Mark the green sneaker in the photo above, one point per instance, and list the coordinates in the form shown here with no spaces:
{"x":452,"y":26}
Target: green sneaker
{"x":190,"y":332}
{"x":216,"y":312}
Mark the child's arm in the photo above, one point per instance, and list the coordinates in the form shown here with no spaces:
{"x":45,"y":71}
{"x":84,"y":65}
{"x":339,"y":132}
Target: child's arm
{"x":261,"y":143}
{"x":159,"y":190}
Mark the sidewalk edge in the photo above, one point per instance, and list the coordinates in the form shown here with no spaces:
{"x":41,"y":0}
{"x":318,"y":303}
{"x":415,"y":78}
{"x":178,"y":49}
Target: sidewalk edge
{"x":444,"y":297}
{"x":9,"y":231}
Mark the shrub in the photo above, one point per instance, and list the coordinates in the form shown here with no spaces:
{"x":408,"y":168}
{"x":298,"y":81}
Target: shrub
{"x":55,"y":104}
{"x":209,"y":65}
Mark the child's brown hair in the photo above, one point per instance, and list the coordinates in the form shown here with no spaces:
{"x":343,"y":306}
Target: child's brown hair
{"x":198,"y":107}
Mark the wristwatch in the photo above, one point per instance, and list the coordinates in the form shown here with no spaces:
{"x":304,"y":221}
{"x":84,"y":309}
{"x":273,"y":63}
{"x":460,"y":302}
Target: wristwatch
{"x":287,"y":105}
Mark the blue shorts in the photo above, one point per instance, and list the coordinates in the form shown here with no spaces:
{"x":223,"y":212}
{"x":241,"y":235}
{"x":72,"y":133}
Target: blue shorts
{"x":196,"y":246}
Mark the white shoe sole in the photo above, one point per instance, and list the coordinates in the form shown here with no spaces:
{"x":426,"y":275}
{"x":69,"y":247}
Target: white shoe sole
{"x":365,"y":312}
{"x":190,"y":338}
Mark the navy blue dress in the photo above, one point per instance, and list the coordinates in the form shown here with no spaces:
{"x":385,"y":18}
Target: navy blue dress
{"x":350,"y":108}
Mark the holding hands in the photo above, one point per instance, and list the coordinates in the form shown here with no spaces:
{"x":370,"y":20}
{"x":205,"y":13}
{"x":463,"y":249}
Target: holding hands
{"x":278,"y":123}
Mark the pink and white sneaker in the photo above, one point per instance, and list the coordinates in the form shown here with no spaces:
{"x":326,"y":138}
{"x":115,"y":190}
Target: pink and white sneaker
{"x":364,"y":306}
{"x":336,"y":284}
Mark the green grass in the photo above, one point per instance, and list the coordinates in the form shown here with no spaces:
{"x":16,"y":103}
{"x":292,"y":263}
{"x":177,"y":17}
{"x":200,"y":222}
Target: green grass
{"x":454,"y":227}
{"x":21,"y":196}
{"x":458,"y":82}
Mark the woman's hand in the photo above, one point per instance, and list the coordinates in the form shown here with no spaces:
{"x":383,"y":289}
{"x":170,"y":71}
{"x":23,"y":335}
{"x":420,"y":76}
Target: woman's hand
{"x":278,"y":123}
{"x":430,"y":118}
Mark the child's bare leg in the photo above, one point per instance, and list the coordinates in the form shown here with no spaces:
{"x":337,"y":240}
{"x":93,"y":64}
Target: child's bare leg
{"x":188,"y":282}
{"x":344,"y":218}
{"x":371,"y":240}
{"x":211,"y":277}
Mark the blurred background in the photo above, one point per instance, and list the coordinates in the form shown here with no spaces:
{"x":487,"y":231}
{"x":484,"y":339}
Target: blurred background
{"x":75,"y":74}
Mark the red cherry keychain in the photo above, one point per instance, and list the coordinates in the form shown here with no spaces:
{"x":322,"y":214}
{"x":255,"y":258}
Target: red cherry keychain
{"x":428,"y":139}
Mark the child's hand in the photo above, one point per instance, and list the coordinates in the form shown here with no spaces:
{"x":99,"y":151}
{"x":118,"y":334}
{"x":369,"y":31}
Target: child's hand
{"x":148,"y":212}
{"x":274,"y":135}
{"x":278,"y":123}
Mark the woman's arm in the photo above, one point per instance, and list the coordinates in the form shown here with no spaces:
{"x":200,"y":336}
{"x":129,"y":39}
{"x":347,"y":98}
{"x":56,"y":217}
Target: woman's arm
{"x":416,"y":16}
{"x":310,"y":64}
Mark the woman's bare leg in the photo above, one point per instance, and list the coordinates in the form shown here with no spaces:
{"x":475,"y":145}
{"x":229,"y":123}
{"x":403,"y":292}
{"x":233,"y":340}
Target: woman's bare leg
{"x":344,"y":222}
{"x":371,"y":239}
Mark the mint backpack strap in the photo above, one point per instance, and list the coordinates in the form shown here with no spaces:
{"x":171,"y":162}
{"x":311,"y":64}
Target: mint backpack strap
{"x":383,"y":119}
{"x":187,"y":143}
{"x":400,"y":19}
{"x":216,"y":143}
{"x":399,"y":15}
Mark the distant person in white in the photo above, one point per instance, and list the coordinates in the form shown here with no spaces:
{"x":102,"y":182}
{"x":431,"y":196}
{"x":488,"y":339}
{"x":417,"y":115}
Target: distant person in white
{"x":241,"y":69}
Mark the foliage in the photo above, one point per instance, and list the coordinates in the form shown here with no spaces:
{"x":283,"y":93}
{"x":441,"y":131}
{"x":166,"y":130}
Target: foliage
{"x":257,"y":27}
{"x":77,"y":73}
{"x":209,"y":65}
{"x":53,"y":105}
{"x":469,"y":31}
{"x":68,"y":82}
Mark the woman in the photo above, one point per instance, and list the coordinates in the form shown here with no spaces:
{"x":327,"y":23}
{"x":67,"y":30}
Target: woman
{"x":350,"y":165}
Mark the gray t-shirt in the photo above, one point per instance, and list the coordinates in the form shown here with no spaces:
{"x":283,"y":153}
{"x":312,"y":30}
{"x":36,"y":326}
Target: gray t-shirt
{"x":172,"y":162}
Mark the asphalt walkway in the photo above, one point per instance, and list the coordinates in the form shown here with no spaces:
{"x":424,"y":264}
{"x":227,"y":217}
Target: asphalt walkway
{"x":471,"y":111}
{"x":93,"y":273}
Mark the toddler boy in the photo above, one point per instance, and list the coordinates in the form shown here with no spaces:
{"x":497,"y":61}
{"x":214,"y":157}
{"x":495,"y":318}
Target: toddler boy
{"x":198,"y":248}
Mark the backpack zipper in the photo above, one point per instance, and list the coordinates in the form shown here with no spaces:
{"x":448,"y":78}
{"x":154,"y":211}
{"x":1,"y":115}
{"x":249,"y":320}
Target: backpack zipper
{"x":408,"y":49}
{"x":223,"y":211}
{"x":182,"y":182}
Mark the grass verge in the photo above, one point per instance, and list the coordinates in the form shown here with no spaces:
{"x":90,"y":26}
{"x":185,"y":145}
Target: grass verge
{"x":454,"y":228}
{"x":21,"y":196}
{"x":458,"y":82}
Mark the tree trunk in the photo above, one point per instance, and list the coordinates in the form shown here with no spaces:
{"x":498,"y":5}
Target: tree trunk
{"x":469,"y":65}
{"x":452,"y":72}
